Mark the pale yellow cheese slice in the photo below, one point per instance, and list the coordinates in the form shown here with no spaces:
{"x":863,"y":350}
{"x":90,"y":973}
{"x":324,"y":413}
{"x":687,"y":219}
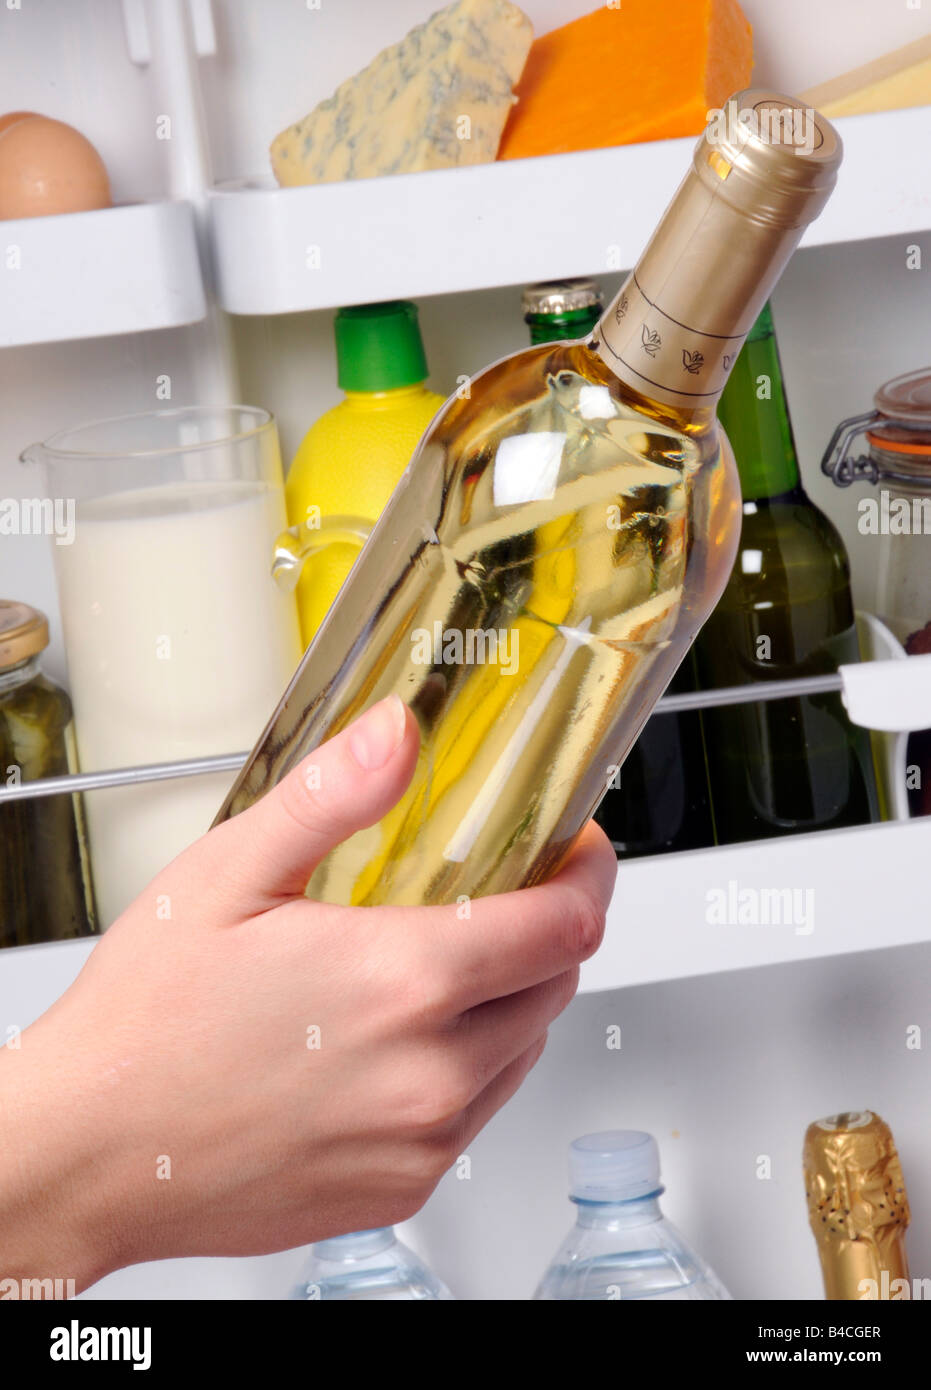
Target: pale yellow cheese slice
{"x":897,"y":80}
{"x":437,"y":99}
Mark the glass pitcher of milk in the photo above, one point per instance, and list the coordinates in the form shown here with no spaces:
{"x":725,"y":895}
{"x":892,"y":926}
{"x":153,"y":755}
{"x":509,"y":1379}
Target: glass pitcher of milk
{"x":178,"y":640}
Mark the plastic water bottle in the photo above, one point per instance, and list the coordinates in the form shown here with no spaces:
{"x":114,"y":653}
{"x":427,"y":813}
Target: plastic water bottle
{"x":622,"y":1246}
{"x":367,"y":1264}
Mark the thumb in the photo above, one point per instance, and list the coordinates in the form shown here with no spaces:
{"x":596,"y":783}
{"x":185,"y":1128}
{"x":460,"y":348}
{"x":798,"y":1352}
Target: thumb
{"x":269,"y":851}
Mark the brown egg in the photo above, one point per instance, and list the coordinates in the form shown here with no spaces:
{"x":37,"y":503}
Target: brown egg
{"x":12,"y":117}
{"x":47,"y":167}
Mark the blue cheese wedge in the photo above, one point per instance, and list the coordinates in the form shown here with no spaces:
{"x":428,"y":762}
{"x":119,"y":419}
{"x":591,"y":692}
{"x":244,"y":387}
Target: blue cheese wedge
{"x":437,"y":99}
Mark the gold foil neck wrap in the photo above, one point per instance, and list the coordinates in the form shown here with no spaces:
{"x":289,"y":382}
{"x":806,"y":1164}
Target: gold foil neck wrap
{"x":763,"y":169}
{"x":667,"y":357}
{"x":857,"y":1205}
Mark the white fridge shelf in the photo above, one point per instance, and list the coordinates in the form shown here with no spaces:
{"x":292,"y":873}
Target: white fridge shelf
{"x":849,"y":890}
{"x":90,"y":274}
{"x":283,"y":250}
{"x":680,"y":915}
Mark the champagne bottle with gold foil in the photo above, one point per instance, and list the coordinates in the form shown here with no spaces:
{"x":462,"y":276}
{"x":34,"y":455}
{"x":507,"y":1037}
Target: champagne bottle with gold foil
{"x":560,"y":535}
{"x":857,"y":1206}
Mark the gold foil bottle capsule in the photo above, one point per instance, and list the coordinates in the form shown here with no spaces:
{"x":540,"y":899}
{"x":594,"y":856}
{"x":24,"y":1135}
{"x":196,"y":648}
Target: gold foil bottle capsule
{"x":857,"y":1206}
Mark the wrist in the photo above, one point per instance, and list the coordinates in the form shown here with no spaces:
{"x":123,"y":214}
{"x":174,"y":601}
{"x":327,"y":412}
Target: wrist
{"x":55,"y":1168}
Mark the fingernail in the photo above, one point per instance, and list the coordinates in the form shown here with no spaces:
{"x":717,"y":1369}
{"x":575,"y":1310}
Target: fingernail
{"x":378,"y":735}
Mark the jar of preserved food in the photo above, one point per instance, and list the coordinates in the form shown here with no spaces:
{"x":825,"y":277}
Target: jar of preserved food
{"x":897,"y":432}
{"x":45,"y":890}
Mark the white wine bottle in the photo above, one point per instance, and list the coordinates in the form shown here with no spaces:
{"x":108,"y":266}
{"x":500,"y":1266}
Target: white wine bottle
{"x":560,"y":535}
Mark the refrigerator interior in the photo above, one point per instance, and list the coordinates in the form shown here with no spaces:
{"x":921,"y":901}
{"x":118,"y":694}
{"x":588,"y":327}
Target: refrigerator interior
{"x":725,"y":1068}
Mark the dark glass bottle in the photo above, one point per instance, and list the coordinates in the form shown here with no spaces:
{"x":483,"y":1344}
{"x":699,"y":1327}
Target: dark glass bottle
{"x":661,"y":802}
{"x":45,"y":892}
{"x":788,"y":765}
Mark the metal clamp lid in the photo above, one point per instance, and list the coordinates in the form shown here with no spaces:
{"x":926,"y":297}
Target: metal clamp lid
{"x":901,"y":416}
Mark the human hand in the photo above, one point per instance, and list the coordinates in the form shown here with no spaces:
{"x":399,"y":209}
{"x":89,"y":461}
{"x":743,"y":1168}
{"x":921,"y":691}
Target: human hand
{"x":238,"y":1069}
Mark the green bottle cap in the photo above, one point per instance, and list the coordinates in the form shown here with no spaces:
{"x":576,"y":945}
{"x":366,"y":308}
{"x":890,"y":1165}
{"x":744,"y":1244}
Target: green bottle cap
{"x":378,"y":346}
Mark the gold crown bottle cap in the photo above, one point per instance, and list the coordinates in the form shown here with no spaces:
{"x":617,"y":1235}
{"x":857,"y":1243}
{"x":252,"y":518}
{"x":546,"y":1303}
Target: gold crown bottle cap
{"x":560,"y":296}
{"x":857,"y":1203}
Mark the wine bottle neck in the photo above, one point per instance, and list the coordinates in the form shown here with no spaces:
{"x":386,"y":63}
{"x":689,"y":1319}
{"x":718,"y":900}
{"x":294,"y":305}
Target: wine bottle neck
{"x":755,"y":416}
{"x":674,"y":332}
{"x":679,"y":321}
{"x":676,"y":367}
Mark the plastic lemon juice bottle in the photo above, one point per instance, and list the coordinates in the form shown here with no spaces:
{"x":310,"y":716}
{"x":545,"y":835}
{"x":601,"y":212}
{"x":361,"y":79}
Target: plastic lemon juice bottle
{"x":351,"y":460}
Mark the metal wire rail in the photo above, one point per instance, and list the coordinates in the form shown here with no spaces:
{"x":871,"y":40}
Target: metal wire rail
{"x":232,"y":762}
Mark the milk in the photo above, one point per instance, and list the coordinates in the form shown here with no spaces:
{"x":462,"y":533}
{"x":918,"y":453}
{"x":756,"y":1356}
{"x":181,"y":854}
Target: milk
{"x":179,"y":646}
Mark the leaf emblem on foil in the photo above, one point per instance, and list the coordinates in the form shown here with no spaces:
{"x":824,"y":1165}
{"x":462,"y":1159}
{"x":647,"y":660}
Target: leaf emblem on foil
{"x":623,"y":304}
{"x":650,"y":341}
{"x":692,"y":361}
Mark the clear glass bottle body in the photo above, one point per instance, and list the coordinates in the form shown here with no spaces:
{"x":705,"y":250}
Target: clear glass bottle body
{"x":619,"y":1251}
{"x":529,"y":591}
{"x":903,"y":580}
{"x":903,"y":585}
{"x":367,"y":1265}
{"x":661,"y":802}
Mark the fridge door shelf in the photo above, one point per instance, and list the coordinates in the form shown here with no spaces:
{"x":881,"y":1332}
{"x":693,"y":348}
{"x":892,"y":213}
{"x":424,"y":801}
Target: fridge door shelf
{"x":123,"y":269}
{"x":730,"y":907}
{"x":286,"y":250}
{"x":767,"y":902}
{"x":880,"y":692}
{"x":704,"y":912}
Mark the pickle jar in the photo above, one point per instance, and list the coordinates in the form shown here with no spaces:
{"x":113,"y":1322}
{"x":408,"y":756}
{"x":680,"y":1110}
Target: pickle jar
{"x":897,"y":461}
{"x":45,"y":889}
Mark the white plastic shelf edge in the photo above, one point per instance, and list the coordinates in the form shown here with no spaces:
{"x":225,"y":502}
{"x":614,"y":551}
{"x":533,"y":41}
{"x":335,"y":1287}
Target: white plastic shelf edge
{"x":92,"y":274}
{"x":287,"y":250}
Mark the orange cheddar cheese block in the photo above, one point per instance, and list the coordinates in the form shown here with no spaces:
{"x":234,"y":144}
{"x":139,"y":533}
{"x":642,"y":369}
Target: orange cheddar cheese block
{"x":647,"y":70}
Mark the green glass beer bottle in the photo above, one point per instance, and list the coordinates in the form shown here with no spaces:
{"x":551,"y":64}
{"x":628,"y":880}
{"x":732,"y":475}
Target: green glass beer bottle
{"x":788,"y":765}
{"x":661,"y":800}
